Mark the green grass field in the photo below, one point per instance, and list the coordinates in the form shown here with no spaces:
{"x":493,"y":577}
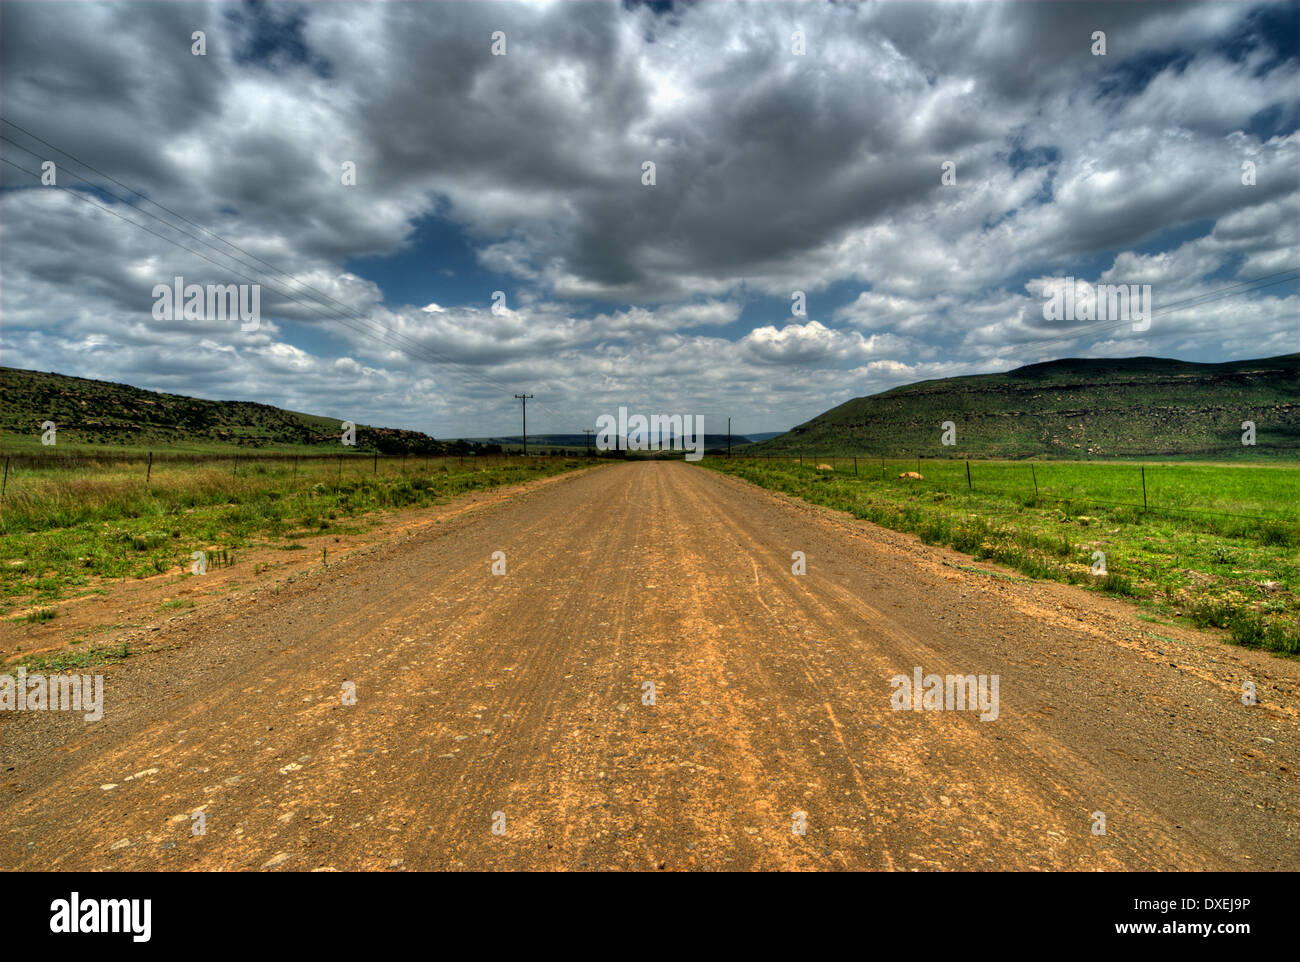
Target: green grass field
{"x":67,"y":527}
{"x":1215,"y":544}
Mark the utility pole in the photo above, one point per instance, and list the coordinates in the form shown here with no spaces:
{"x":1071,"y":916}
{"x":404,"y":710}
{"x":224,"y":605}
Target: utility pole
{"x":588,"y":433}
{"x":523,"y":399}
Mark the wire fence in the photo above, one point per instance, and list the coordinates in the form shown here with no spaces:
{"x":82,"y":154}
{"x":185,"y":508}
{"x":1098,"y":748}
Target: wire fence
{"x":1162,"y":489}
{"x":352,"y":463}
{"x":1151,"y":490}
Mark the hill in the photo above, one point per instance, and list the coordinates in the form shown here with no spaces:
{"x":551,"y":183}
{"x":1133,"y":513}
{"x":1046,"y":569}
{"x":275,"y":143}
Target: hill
{"x":89,"y":413}
{"x":1072,"y":409}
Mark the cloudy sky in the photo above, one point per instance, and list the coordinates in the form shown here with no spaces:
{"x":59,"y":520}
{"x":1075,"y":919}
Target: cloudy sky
{"x":797,"y":148}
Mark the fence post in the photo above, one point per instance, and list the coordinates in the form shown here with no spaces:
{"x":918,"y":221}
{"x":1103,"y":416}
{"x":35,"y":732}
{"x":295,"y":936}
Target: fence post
{"x":149,"y":470}
{"x":376,"y":471}
{"x":855,"y":466}
{"x":234,"y":471}
{"x":6,"y":480}
{"x":1144,"y":486}
{"x":969,"y":487}
{"x":1034,"y":474}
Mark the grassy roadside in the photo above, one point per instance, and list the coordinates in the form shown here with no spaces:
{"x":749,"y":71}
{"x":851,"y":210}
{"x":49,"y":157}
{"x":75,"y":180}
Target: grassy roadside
{"x":65,"y":533}
{"x":1215,"y":570}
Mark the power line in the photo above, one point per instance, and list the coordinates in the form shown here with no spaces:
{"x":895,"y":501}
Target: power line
{"x":374,"y":329}
{"x":224,"y":267}
{"x":377,"y":329}
{"x":1167,"y":309}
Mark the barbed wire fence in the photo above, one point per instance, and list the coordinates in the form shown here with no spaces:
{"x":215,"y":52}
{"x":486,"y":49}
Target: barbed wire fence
{"x":884,"y":469}
{"x":354,"y":464}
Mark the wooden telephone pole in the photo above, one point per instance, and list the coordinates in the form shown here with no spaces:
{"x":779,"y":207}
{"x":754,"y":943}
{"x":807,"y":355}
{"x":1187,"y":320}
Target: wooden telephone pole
{"x":524,"y":399}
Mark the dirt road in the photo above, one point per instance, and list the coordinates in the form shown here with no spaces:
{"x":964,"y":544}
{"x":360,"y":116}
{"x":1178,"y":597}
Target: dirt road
{"x":523,"y":694}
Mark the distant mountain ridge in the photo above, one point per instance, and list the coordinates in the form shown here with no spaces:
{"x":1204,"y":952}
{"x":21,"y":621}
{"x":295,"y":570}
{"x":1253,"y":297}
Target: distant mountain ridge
{"x":1073,"y":408}
{"x":90,"y":412}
